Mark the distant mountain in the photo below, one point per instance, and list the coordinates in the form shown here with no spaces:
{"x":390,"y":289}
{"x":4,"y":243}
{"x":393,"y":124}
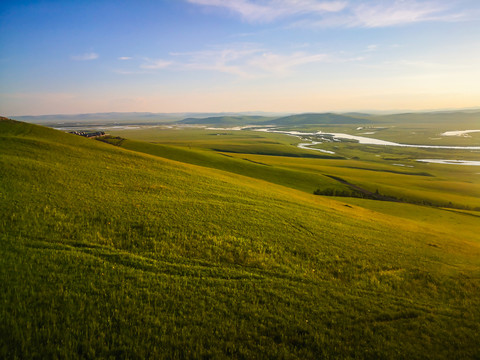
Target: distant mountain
{"x":314,"y":119}
{"x":112,"y":117}
{"x":146,"y":117}
{"x":471,"y":116}
{"x":226,"y":120}
{"x":356,"y":114}
{"x":437,"y":117}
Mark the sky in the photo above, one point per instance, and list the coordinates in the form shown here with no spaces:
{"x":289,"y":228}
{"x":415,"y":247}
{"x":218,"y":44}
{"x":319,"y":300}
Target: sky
{"x":69,"y":57}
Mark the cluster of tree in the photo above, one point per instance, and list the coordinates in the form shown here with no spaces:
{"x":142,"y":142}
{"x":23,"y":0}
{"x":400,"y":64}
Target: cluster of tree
{"x":353,"y":193}
{"x":112,"y":140}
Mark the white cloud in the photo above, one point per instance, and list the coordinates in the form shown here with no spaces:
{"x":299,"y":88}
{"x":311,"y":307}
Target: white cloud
{"x":336,"y":13}
{"x":227,"y":60}
{"x":371,"y":14}
{"x":124,"y":58}
{"x":155,"y":64}
{"x":281,"y":64}
{"x":247,"y":61}
{"x":268,"y":10}
{"x":398,"y":13}
{"x":85,"y":57}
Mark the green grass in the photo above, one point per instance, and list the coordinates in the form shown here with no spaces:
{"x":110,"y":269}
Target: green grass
{"x":228,"y":141}
{"x":232,"y":162}
{"x":114,"y":253}
{"x":371,"y":167}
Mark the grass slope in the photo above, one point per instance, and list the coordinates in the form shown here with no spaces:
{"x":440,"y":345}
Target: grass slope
{"x":438,"y":185}
{"x":225,"y":141}
{"x":110,"y":253}
{"x":234,"y":163}
{"x":370,"y":167}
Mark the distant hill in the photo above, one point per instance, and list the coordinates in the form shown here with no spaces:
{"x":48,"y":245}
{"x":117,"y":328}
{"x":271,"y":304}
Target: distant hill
{"x":226,"y":120}
{"x":313,"y":118}
{"x":452,"y":117}
{"x":111,"y":117}
{"x":251,"y":118}
{"x":298,"y":119}
{"x":143,"y":117}
{"x":356,"y":114}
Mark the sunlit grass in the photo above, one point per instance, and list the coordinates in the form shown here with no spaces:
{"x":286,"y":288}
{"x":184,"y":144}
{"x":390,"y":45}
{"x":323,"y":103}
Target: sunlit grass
{"x":107,"y":252}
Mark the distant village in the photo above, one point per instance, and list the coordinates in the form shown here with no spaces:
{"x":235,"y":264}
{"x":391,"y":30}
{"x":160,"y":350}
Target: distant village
{"x":88,"y":134}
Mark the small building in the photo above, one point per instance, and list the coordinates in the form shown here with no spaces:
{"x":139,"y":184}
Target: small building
{"x":88,"y":134}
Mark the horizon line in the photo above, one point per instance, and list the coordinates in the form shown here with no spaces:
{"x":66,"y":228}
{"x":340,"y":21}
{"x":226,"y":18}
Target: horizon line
{"x":252,"y":112}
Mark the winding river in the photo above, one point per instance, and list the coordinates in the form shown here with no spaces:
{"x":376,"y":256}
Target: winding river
{"x":371,"y":141}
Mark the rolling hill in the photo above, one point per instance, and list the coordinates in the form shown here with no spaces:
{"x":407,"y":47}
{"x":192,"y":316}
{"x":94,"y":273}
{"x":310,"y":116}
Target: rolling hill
{"x":241,"y":119}
{"x":316,"y":119}
{"x":225,"y":120}
{"x":293,"y":120}
{"x":114,"y":253}
{"x":141,"y":117}
{"x":435,"y":117}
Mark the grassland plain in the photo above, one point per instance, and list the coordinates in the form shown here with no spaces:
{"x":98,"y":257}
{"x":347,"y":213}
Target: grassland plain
{"x":391,"y":170}
{"x":112,"y":253}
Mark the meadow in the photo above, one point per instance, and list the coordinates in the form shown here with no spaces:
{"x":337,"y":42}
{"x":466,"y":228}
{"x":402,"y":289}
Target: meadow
{"x":393,"y":171}
{"x":194,"y":243}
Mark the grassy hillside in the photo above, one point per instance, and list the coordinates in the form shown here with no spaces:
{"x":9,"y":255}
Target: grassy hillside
{"x":108,"y":252}
{"x":394,"y":171}
{"x":234,"y":163}
{"x":224,"y":141}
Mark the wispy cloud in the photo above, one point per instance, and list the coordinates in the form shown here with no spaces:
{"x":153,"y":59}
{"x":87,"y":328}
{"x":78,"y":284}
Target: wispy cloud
{"x":153,"y":64}
{"x":128,"y":72}
{"x":230,"y":59}
{"x":268,"y":10}
{"x":124,"y":58}
{"x":349,"y":14}
{"x":282,"y":64}
{"x":242,"y":60}
{"x":246,"y":61}
{"x":398,"y":13}
{"x":85,"y":57}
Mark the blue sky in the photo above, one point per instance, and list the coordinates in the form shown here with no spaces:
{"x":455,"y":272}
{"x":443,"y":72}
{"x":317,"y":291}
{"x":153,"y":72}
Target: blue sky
{"x":238,"y":55}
